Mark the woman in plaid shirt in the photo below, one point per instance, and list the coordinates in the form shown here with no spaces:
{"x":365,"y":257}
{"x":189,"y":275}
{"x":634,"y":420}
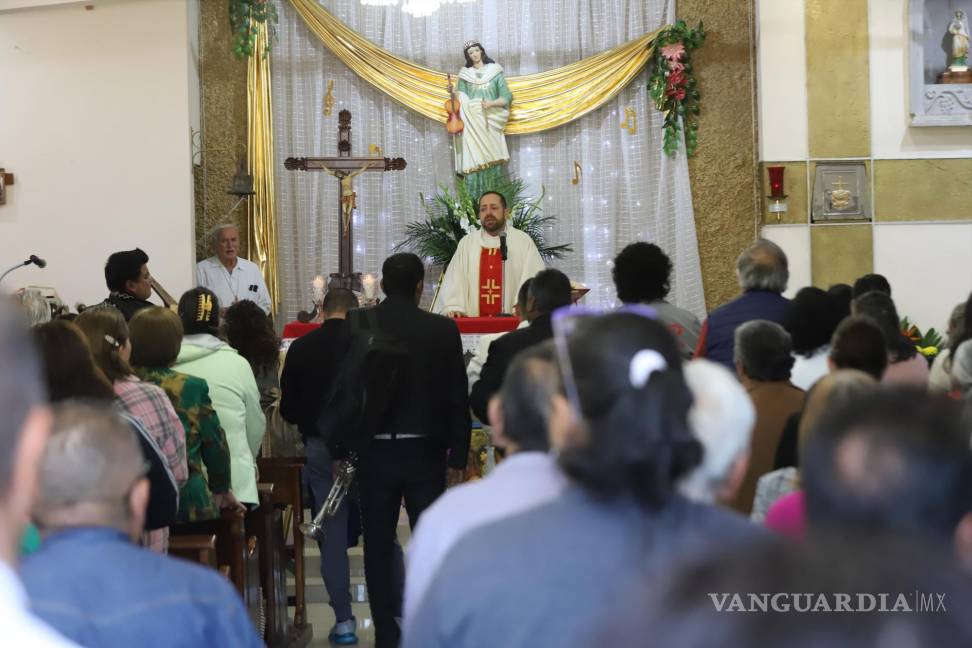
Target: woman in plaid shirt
{"x":107,"y":334}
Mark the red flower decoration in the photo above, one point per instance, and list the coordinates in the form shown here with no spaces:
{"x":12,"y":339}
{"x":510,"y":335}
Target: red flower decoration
{"x":673,"y":52}
{"x":677,"y":93}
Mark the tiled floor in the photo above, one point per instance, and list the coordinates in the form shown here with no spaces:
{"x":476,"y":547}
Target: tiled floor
{"x":319,"y":613}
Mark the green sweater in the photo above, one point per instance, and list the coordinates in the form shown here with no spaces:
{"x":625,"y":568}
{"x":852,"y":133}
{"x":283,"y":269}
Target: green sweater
{"x":206,"y":451}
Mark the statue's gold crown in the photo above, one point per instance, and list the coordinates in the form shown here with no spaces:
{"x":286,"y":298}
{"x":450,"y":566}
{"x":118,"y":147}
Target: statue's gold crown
{"x":469,"y":44}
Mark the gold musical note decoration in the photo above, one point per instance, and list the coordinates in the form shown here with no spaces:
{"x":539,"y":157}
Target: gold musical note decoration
{"x":630,"y":122}
{"x":577,"y":173}
{"x":329,"y":98}
{"x":375,"y":151}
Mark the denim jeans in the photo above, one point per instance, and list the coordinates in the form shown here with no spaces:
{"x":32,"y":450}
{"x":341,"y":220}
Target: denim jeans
{"x":335,"y":569}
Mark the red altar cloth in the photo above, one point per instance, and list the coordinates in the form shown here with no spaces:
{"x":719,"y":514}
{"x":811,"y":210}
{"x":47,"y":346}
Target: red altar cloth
{"x":299,"y":329}
{"x":467,"y":326}
{"x":484,"y":325}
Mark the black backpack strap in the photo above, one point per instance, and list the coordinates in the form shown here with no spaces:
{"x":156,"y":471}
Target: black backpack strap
{"x":372,"y":318}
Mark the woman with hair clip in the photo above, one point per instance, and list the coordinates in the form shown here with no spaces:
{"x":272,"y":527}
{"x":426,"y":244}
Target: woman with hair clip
{"x":70,"y":373}
{"x":232,"y":386}
{"x":106,"y":331}
{"x":553,"y":575}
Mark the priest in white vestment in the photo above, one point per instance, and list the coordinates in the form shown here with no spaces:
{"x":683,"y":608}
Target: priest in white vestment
{"x":477,"y":283}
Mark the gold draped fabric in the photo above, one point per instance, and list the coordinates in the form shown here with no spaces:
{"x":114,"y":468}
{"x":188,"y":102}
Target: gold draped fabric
{"x":540,"y":101}
{"x":261,"y":218}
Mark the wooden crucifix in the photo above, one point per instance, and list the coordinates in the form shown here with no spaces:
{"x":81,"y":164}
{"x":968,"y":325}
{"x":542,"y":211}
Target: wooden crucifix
{"x":345,"y":168}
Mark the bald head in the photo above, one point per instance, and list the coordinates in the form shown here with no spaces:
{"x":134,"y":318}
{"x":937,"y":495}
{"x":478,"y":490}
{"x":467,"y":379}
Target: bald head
{"x":91,"y":467}
{"x":338,"y":301}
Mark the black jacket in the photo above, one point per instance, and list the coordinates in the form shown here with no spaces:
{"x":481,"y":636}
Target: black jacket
{"x":127,"y":304}
{"x":312,"y":364}
{"x":432,"y":399}
{"x":501,"y":354}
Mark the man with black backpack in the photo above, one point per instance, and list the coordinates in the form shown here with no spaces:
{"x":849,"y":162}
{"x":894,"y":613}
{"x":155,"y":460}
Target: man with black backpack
{"x":411,"y":427}
{"x":309,"y":380}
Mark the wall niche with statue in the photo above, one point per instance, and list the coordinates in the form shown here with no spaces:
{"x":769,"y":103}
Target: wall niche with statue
{"x":941,"y":78}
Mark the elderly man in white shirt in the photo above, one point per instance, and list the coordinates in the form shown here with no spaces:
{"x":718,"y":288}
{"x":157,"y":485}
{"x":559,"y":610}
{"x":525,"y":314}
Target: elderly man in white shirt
{"x":24,"y":428}
{"x":231,"y":277}
{"x":528,"y":407}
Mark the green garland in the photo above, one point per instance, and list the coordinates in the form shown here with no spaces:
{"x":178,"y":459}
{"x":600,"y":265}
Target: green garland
{"x":246,"y":16}
{"x":453,"y":215}
{"x":673,"y":87}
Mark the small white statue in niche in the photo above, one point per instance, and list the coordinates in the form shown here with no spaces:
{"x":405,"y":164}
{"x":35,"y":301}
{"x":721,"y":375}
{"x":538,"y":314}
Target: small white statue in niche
{"x":959,"y":29}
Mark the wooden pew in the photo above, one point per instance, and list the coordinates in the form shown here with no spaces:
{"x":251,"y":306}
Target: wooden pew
{"x":288,"y":493}
{"x":234,"y":551}
{"x":266,"y":523}
{"x":195,"y":548}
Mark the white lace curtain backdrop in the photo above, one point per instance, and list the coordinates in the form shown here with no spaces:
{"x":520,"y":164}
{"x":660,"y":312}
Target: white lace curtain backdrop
{"x":629,"y":189}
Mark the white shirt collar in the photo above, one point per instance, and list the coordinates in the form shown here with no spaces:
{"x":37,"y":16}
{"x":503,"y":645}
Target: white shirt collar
{"x":526,"y":461}
{"x":11,"y":589}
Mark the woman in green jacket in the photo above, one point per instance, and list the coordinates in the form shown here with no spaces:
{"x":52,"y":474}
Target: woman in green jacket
{"x":156,"y":336}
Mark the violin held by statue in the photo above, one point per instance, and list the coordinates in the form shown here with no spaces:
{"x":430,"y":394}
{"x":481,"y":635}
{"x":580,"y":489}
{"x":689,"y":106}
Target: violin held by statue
{"x":454,"y":123}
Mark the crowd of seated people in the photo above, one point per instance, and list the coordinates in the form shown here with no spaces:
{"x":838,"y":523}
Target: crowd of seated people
{"x":809,"y":450}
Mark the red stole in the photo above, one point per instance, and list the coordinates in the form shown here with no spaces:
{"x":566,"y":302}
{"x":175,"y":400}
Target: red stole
{"x":490,"y":282}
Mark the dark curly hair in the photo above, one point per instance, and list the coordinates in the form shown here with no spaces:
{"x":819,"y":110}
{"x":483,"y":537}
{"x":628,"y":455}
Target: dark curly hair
{"x":123,"y":267}
{"x":638,"y":442}
{"x":642,"y":273}
{"x":811,"y":318}
{"x":248,"y":330}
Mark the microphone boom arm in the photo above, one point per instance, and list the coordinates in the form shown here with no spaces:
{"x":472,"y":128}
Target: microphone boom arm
{"x":18,"y":265}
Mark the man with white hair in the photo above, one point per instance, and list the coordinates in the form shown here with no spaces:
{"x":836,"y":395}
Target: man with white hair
{"x":231,"y":277}
{"x":722,"y":418}
{"x":763,"y":272}
{"x":89,"y":579}
{"x":24,"y":427}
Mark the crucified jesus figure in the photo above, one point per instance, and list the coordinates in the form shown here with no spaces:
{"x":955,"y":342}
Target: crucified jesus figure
{"x":348,"y":195}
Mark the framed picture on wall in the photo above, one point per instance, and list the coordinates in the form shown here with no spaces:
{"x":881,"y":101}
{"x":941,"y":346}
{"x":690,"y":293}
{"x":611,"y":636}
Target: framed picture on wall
{"x":840,"y":192}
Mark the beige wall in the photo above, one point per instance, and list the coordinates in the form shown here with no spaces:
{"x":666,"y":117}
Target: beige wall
{"x":921,"y":235}
{"x":95,"y":127}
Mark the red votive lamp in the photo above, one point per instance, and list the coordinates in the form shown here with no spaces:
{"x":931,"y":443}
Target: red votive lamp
{"x":776,"y":181}
{"x":777,"y":199}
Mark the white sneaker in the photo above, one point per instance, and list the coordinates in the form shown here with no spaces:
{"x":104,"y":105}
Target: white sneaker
{"x":344,"y":633}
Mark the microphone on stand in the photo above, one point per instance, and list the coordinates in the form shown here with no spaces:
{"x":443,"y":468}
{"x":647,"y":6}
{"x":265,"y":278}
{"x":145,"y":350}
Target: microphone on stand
{"x":503,"y":256}
{"x":36,"y":260}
